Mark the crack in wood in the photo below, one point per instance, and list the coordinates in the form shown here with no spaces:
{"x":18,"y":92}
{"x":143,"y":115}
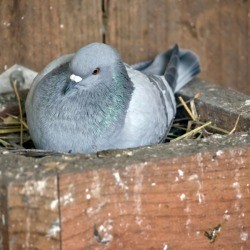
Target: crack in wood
{"x":105,"y":14}
{"x":4,"y":233}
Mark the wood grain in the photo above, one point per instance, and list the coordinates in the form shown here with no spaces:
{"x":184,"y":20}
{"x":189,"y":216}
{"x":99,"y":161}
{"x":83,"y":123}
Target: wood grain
{"x":156,"y":197}
{"x":33,"y":215}
{"x":159,"y":204}
{"x":218,"y":31}
{"x":43,"y":30}
{"x":9,"y":38}
{"x":61,"y":27}
{"x":4,"y":236}
{"x":219,"y":105}
{"x":35,"y":32}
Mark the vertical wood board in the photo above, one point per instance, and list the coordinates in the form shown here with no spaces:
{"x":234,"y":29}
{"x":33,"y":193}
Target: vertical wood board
{"x":33,"y":215}
{"x":145,"y":206}
{"x":35,"y":32}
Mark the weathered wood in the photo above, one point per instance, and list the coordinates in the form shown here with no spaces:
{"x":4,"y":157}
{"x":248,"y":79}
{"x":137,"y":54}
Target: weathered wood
{"x":148,"y":198}
{"x":43,"y":30}
{"x":29,"y":211}
{"x":33,"y":214}
{"x":92,"y":200}
{"x":159,"y":204}
{"x":219,"y":105}
{"x":218,"y":31}
{"x":35,"y":32}
{"x":4,"y":237}
{"x":60,"y":27}
{"x":8,"y":30}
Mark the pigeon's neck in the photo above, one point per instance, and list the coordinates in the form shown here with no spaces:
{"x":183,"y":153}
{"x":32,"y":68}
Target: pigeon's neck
{"x":104,"y":108}
{"x":113,"y":98}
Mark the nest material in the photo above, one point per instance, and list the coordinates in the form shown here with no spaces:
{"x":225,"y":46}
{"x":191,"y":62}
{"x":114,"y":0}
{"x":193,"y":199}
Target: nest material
{"x":14,"y":134}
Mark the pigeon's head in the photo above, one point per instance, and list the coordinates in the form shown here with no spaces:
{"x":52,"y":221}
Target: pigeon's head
{"x":91,"y":66}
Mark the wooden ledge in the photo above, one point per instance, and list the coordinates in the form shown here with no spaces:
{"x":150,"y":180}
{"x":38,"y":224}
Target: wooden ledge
{"x":151,"y":198}
{"x":194,"y":194}
{"x":219,"y":105}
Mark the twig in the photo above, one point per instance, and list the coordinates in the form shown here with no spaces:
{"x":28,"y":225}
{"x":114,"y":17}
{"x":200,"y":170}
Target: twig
{"x":186,"y":107}
{"x":196,"y":96}
{"x":20,"y":111}
{"x":237,"y":121}
{"x":5,"y":143}
{"x":20,"y":121}
{"x":194,"y":111}
{"x":9,"y":130}
{"x":224,"y":131}
{"x":194,"y":131}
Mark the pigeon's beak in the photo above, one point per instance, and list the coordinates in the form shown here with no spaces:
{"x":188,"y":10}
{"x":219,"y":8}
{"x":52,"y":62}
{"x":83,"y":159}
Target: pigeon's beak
{"x":74,"y":79}
{"x":70,"y":85}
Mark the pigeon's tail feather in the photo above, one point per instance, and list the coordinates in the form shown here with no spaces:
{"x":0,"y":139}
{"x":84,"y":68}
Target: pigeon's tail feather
{"x":178,"y":66}
{"x":171,"y":73}
{"x":188,"y":68}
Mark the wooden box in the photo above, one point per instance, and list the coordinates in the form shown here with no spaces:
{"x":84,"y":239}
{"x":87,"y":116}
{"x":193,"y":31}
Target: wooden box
{"x":192,"y":194}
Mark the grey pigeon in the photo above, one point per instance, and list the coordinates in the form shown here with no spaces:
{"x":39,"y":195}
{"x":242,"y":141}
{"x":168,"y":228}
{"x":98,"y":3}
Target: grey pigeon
{"x":92,"y":101}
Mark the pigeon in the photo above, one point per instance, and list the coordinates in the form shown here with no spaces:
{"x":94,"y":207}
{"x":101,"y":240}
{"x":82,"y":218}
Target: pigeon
{"x":92,"y":101}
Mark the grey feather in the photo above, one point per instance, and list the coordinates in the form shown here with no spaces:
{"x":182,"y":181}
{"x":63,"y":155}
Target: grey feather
{"x":171,"y":73}
{"x":188,"y":66}
{"x":91,"y":100}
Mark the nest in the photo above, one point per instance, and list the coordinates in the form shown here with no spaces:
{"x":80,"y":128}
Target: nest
{"x":14,"y":132}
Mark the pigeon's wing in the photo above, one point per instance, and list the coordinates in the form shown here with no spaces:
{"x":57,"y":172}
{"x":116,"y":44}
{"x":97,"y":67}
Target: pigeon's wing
{"x":157,"y":66}
{"x":51,"y":66}
{"x":151,"y":110}
{"x":141,"y":66}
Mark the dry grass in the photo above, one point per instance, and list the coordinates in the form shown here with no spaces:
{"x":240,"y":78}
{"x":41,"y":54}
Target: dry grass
{"x":191,"y":126}
{"x":13,"y":129}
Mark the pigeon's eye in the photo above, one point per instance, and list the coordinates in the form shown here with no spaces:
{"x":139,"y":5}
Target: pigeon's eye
{"x":96,"y":71}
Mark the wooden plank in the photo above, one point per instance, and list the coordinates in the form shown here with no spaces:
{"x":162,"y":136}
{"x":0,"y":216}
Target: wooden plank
{"x":60,"y":27}
{"x":33,"y":214}
{"x":219,"y":105}
{"x":235,"y":29}
{"x":218,"y":31}
{"x":159,"y":202}
{"x":8,"y":31}
{"x":4,"y":237}
{"x":162,"y":196}
{"x":44,"y":29}
{"x":35,"y":32}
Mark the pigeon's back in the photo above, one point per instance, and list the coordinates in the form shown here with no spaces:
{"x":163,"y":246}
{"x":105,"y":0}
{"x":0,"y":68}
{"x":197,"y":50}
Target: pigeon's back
{"x":153,"y":107}
{"x":147,"y":115}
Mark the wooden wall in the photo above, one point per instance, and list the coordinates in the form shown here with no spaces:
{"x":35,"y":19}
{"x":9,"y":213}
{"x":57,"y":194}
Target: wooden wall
{"x":33,"y":32}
